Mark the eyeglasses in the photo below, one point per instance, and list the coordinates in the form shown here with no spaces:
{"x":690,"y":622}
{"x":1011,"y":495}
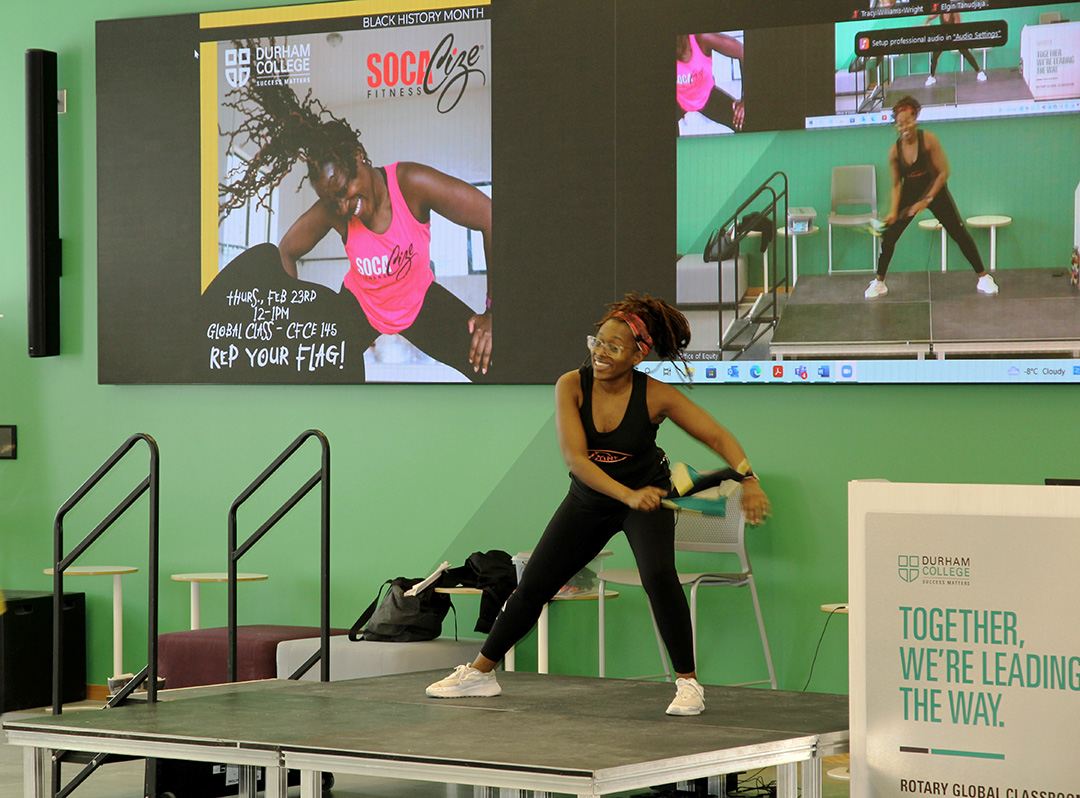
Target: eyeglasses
{"x":612,"y":350}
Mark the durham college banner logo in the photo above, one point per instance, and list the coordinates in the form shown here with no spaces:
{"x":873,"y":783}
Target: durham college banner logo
{"x":238,"y":66}
{"x":908,"y":566}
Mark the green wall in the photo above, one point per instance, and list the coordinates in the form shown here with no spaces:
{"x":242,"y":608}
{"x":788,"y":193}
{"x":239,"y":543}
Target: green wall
{"x":423,"y":473}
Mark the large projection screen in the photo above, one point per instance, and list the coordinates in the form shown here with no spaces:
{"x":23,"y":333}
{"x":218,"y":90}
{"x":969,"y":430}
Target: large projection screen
{"x":542,"y":172}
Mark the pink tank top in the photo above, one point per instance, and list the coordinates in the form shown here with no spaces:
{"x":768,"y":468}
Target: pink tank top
{"x":390,"y":273}
{"x":694,"y":80}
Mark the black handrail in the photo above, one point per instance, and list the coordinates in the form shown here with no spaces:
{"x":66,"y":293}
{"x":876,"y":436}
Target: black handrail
{"x":61,"y":563}
{"x":738,"y":233}
{"x":322,"y":476}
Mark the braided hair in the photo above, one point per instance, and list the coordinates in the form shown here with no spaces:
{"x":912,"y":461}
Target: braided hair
{"x":285,"y":130}
{"x":667,"y":325}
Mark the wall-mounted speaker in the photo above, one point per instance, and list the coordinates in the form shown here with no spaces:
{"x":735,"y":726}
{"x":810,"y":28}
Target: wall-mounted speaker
{"x":42,"y":205}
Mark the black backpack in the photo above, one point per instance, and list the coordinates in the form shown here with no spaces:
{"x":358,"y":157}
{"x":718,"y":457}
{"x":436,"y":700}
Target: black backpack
{"x":398,"y":618}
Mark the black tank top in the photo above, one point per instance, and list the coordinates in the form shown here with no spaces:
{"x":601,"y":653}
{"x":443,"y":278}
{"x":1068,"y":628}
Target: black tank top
{"x":628,"y":454}
{"x":918,"y":175}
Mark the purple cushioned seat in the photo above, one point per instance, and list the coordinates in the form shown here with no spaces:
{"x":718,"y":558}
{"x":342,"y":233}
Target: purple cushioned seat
{"x":201,"y":656}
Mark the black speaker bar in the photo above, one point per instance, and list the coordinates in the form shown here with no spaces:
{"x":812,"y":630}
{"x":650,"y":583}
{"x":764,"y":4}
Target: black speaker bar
{"x":42,"y":205}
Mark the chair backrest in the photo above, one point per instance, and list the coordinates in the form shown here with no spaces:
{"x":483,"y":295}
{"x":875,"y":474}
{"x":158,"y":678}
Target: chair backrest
{"x":716,"y":534}
{"x":854,"y":185}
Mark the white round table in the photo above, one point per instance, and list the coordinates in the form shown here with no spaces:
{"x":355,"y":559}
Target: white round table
{"x":842,"y":773}
{"x":115,"y":571}
{"x":993,"y":221}
{"x":795,"y":236}
{"x":198,"y":579}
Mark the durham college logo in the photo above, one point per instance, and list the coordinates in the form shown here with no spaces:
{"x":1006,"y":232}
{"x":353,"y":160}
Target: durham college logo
{"x":238,"y":66}
{"x":934,"y":569}
{"x":908,"y":566}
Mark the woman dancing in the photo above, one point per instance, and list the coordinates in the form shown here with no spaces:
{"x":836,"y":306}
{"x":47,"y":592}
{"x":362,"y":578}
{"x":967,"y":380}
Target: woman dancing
{"x":951,"y":18}
{"x":920,"y":172}
{"x":381,"y":213}
{"x":695,"y":88}
{"x":607,"y":416}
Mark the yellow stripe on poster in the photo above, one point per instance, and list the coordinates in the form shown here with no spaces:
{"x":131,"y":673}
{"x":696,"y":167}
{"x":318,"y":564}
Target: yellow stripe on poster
{"x":208,"y":143}
{"x":345,"y":8}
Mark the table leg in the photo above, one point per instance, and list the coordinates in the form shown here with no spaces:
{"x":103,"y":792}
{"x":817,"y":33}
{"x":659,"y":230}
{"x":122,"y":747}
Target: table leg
{"x":542,"y":641}
{"x":993,"y":248}
{"x":764,"y":271}
{"x":510,"y":660}
{"x":118,"y":626}
{"x":944,"y":242}
{"x":794,"y":261}
{"x":196,"y":609}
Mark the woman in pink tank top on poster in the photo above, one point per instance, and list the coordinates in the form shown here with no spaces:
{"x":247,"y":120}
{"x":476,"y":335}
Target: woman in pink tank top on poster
{"x":695,"y":88}
{"x":382,"y":214}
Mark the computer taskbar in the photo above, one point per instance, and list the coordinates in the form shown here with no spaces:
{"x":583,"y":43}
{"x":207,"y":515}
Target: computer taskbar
{"x":932,"y":113}
{"x":709,"y":371}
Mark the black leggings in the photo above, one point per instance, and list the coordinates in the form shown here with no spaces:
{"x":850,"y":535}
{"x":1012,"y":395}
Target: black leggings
{"x":718,"y":108}
{"x":944,"y":208}
{"x":440,"y":330}
{"x":965,"y":53}
{"x":575,"y":535}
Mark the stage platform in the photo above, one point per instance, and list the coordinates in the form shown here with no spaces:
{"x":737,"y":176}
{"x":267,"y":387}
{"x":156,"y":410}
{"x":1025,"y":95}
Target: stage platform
{"x":930,"y":314}
{"x":954,"y":87}
{"x":545,"y":734}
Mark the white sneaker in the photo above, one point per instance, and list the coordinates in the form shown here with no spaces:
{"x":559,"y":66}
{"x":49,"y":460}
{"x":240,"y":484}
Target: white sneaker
{"x":981,"y":77}
{"x":877,"y":288}
{"x":986,"y":285}
{"x":465,"y":681}
{"x":689,"y":698}
{"x":931,"y":80}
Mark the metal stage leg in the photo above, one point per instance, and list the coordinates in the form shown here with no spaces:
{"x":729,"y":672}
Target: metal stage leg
{"x":37,"y":770}
{"x":276,"y":785}
{"x":506,"y":792}
{"x":310,"y":783}
{"x":811,"y":778}
{"x":787,"y":780}
{"x":248,"y":782}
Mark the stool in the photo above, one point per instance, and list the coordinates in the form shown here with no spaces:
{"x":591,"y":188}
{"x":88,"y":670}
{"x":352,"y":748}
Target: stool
{"x":201,"y":656}
{"x":361,"y":658}
{"x":934,"y":224}
{"x":993,"y":221}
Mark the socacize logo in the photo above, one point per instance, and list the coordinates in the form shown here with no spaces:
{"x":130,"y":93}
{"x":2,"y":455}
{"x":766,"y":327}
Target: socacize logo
{"x":908,"y":567}
{"x":238,"y":66}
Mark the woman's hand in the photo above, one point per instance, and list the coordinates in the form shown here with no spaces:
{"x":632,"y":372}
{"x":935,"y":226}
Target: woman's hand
{"x":480,"y":347}
{"x":755,"y":503}
{"x":918,"y":207}
{"x":646,"y":499}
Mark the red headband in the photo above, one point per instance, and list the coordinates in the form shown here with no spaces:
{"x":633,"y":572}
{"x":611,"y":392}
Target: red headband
{"x":899,"y":108}
{"x":641,"y":332}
